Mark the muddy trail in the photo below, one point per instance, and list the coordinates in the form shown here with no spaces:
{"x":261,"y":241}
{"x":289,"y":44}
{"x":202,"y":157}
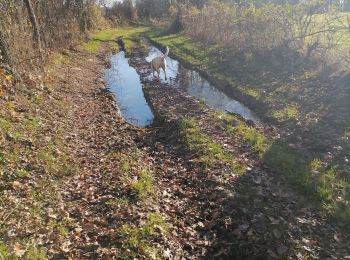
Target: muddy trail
{"x":228,"y":212}
{"x":184,"y":187}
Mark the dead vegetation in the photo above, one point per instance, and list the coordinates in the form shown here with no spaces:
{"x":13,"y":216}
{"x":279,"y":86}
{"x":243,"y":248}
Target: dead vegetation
{"x":77,"y":182}
{"x":30,"y":28}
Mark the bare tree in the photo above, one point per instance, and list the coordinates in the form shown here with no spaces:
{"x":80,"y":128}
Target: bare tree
{"x":4,"y":53}
{"x":34,"y":21}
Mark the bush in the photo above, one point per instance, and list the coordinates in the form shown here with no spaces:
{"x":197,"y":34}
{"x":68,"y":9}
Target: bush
{"x":275,"y":33}
{"x":58,"y":25}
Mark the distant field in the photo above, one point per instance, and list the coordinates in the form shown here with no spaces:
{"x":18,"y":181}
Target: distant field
{"x":344,"y":34}
{"x":340,"y":22}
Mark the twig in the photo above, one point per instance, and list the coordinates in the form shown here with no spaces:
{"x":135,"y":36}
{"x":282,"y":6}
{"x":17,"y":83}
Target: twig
{"x":314,"y":33}
{"x":5,"y":218}
{"x":28,"y":59}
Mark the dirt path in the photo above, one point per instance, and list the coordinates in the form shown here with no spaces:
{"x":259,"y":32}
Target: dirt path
{"x":173,"y":190}
{"x":224,"y":214}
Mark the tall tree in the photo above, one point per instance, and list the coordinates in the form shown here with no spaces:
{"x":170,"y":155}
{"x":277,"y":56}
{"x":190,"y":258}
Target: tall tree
{"x":34,"y":21}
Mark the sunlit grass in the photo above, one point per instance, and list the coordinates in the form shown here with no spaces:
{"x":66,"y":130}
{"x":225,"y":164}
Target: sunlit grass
{"x":137,"y":238}
{"x":35,"y":254}
{"x":250,"y":91}
{"x":257,"y":140}
{"x":311,"y":176}
{"x":92,"y":46}
{"x":116,"y":203}
{"x":185,"y":48}
{"x":4,"y":251}
{"x":143,"y":187}
{"x":210,"y":153}
{"x":339,"y":21}
{"x":287,"y":113}
{"x":128,"y":34}
{"x":58,"y":59}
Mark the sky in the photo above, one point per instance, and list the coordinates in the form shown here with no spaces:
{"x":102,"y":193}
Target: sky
{"x":110,"y":2}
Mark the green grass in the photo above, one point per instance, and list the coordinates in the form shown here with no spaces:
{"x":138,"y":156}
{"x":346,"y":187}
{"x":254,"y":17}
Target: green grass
{"x":287,"y":113}
{"x":250,"y":91}
{"x":143,"y":187}
{"x":339,"y":21}
{"x":32,"y":253}
{"x":182,"y":45}
{"x":92,"y":46}
{"x":59,"y":59}
{"x":126,"y":164}
{"x":129,"y":36}
{"x":116,"y":203}
{"x":4,"y":252}
{"x":35,"y":254}
{"x":258,"y":141}
{"x":53,"y":160}
{"x":208,"y":151}
{"x":310,"y":176}
{"x":236,"y":126}
{"x":136,"y":239}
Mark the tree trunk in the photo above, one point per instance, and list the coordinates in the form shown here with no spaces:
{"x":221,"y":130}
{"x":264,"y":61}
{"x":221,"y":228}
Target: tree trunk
{"x":68,"y":4}
{"x":6,"y":57}
{"x":34,"y":21}
{"x":4,"y":53}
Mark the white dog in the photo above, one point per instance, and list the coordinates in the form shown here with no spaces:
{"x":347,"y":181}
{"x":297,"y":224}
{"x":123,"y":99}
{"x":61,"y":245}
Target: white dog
{"x":159,"y":62}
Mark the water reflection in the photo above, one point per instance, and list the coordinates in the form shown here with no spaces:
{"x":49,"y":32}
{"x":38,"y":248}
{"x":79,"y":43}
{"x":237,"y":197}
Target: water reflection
{"x":196,"y":86}
{"x":172,"y":65}
{"x":124,"y":82}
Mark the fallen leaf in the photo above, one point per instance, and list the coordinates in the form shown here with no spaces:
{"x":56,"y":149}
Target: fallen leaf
{"x":282,"y":249}
{"x":18,"y":250}
{"x":16,"y":185}
{"x":277,"y":233}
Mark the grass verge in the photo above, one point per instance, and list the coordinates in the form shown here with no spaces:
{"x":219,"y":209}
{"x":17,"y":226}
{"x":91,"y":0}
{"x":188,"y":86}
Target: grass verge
{"x":128,"y":34}
{"x":325,"y":185}
{"x":312,"y":177}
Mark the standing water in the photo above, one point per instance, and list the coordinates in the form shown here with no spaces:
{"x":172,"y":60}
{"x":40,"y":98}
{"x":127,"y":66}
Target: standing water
{"x":124,"y":82}
{"x":193,"y":84}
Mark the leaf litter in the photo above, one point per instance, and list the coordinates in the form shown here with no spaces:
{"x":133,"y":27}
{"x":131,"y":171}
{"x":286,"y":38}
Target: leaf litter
{"x":93,"y":186}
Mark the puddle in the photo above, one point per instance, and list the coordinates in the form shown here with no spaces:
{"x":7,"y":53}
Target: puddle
{"x":124,"y":82}
{"x":195,"y":85}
